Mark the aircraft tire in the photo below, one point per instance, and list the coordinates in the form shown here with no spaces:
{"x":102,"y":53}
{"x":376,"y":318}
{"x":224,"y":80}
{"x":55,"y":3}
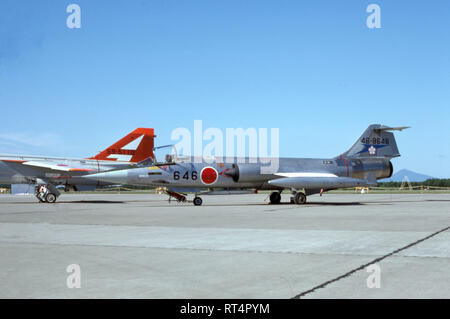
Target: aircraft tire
{"x":197,"y":201}
{"x":50,"y":198}
{"x":300,"y":199}
{"x":275,"y":198}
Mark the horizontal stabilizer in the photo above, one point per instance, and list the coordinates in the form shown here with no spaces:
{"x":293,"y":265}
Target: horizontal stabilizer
{"x":385,"y":128}
{"x":376,"y":141}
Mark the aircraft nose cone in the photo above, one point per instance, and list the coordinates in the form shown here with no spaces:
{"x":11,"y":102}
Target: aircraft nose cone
{"x":116,"y":177}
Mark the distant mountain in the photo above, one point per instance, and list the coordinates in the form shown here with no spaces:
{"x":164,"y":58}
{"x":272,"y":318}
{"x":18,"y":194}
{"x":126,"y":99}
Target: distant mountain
{"x":400,"y":175}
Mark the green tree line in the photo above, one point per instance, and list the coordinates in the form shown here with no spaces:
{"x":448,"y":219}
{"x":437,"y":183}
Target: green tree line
{"x":435,"y":182}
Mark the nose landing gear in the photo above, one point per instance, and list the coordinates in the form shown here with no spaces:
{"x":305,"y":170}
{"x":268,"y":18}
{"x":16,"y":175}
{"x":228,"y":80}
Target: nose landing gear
{"x":197,"y":201}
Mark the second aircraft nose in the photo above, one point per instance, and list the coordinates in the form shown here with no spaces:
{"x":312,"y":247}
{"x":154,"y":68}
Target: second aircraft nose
{"x":116,"y":177}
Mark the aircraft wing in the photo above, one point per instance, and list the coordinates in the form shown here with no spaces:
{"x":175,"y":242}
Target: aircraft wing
{"x":317,"y":180}
{"x":46,"y":166}
{"x":54,"y":167}
{"x":305,"y":174}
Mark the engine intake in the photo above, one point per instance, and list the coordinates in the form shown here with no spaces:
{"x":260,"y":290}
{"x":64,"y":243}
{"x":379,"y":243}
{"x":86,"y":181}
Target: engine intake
{"x":246,"y":173}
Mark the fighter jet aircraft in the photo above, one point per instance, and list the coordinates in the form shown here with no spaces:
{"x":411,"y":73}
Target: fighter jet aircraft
{"x":368,"y":160}
{"x":52,"y":171}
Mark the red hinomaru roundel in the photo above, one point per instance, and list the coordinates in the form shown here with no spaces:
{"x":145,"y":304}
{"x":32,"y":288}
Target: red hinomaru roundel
{"x":209,"y":175}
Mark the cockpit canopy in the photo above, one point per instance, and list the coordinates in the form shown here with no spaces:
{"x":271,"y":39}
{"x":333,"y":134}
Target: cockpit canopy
{"x":166,"y":154}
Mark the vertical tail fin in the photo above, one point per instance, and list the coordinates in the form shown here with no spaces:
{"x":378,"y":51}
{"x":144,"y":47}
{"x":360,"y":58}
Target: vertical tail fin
{"x":134,"y":154}
{"x":376,"y":141}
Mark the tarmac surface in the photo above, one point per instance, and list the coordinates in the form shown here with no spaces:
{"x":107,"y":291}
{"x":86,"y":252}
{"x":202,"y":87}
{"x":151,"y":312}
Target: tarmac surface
{"x":142,"y":246}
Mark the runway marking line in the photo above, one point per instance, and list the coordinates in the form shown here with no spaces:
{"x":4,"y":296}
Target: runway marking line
{"x":323,"y":285}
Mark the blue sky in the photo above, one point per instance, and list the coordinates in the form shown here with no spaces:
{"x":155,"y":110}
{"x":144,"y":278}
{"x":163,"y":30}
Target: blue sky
{"x":311,"y":68}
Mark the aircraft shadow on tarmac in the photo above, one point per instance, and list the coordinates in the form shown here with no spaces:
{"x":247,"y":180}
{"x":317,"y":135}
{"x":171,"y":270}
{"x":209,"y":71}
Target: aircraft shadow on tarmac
{"x":66,"y":202}
{"x":283,"y":205}
{"x":174,"y":203}
{"x":95,"y":202}
{"x":335,"y":203}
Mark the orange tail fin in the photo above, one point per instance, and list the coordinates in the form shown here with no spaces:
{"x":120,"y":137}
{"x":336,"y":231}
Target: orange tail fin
{"x":143,"y":151}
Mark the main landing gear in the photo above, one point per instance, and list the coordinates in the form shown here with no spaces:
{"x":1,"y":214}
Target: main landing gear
{"x":50,"y":198}
{"x":47,"y":194}
{"x":298,"y":198}
{"x":275,"y":198}
{"x":47,"y":198}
